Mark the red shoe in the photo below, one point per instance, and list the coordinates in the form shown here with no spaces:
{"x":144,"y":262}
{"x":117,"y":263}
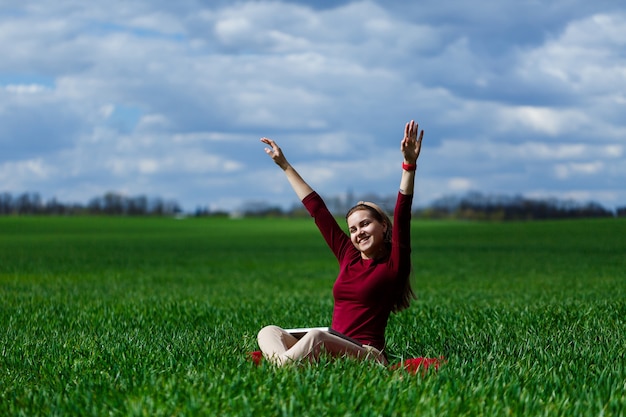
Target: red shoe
{"x":256,"y":357}
{"x":419,"y":364}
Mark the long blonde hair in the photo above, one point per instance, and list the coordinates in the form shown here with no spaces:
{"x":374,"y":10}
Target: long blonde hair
{"x":403,"y":301}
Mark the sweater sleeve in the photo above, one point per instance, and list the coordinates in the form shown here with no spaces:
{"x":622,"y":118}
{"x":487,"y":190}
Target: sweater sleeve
{"x":401,"y":236}
{"x":336,"y":239}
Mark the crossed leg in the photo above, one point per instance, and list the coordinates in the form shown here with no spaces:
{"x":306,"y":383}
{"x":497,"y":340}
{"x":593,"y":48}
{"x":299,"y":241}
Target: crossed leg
{"x":281,"y":348}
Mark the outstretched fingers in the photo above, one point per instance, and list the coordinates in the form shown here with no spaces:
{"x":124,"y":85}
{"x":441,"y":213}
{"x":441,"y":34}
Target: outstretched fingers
{"x":414,"y":130}
{"x":274,"y":148}
{"x":411,"y":143}
{"x":274,"y":152}
{"x":410,"y":132}
{"x":418,"y":144}
{"x":269,"y":142}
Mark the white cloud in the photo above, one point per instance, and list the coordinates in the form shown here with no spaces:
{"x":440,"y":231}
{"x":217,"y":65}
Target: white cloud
{"x":585,"y":57}
{"x":18,"y":176}
{"x":548,"y":121}
{"x":458,"y":184}
{"x":565,"y":171}
{"x":526,"y":152}
{"x":107,"y":110}
{"x":25,"y":88}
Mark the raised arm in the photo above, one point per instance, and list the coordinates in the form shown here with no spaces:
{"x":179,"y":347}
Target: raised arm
{"x":410,"y":146}
{"x":298,"y":184}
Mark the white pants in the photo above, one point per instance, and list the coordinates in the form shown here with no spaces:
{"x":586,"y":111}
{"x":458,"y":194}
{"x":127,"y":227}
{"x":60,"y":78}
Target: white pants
{"x":281,"y":348}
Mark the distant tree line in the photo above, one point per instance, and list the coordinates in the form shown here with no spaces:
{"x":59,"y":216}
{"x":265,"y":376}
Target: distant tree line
{"x":478,"y":206}
{"x":472,"y":206}
{"x":111,"y":203}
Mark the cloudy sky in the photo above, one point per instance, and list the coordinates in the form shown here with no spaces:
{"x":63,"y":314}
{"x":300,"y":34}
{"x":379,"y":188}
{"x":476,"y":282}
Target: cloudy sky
{"x":170,"y":98}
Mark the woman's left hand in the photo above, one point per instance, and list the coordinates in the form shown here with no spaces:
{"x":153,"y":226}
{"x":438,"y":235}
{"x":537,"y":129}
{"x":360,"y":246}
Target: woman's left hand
{"x":411,"y":144}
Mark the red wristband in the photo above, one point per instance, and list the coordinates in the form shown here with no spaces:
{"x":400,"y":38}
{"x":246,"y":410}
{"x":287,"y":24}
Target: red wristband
{"x":409,"y":167}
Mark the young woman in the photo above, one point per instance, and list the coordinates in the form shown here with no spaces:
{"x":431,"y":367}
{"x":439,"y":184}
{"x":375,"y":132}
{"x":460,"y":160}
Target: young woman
{"x":374,"y":268}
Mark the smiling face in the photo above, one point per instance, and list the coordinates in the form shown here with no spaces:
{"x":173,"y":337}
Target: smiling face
{"x":367,"y":233}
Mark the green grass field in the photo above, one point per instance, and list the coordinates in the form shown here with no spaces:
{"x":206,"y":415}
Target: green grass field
{"x":154,"y":317}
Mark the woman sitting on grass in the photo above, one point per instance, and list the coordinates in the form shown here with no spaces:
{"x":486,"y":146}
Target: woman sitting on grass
{"x":374,"y":268}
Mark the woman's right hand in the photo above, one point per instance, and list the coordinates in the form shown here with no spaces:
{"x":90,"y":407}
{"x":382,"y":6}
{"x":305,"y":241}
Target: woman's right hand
{"x":301,"y":188}
{"x":275,"y":153}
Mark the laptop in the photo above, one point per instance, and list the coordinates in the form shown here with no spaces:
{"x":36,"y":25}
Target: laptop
{"x":301,"y":331}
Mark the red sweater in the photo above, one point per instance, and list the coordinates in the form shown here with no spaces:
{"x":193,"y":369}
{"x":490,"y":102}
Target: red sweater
{"x":365,"y":290}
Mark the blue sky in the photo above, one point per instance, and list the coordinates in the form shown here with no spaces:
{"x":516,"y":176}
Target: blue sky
{"x":170,"y":99}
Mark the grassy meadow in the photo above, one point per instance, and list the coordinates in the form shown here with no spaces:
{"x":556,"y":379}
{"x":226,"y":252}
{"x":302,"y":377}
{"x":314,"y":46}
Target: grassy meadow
{"x":155,"y":317}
